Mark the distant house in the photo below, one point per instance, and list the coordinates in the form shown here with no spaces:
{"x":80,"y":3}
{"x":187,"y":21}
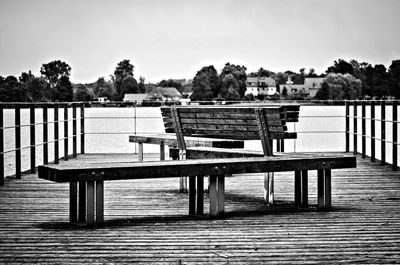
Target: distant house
{"x":102,"y":99}
{"x":134,"y":98}
{"x":260,"y":86}
{"x":164,"y":94}
{"x":293,"y":90}
{"x":313,"y":84}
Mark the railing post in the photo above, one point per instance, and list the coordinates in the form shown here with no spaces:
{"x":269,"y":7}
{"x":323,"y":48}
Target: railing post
{"x":45,"y":137}
{"x":383,"y":133}
{"x":56,"y":143}
{"x":66,"y":132}
{"x":33,"y":138}
{"x":1,"y":146}
{"x":17,"y":142}
{"x":363,"y":130}
{"x":347,"y":131}
{"x":74,"y":142}
{"x":372,"y":131}
{"x":83,"y":128}
{"x":394,"y":139}
{"x":355,"y":127}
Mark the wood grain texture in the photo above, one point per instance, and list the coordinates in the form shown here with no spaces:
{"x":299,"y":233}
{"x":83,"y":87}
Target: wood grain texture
{"x":72,"y":172}
{"x":147,"y":223}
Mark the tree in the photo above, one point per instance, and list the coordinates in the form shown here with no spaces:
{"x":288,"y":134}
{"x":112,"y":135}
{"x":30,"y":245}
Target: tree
{"x":123,"y":69}
{"x":63,"y":89}
{"x":339,"y":87}
{"x":103,"y":88}
{"x":340,"y":67}
{"x":239,"y":74}
{"x":82,"y":93}
{"x":394,"y":78}
{"x":296,"y":77}
{"x":129,"y":85}
{"x":261,"y":73}
{"x":311,"y":73}
{"x":202,"y":89}
{"x":25,"y":77}
{"x":171,"y":83}
{"x":54,"y":70}
{"x":142,"y":87}
{"x":280,"y":78}
{"x":205,"y":84}
{"x":39,"y":90}
{"x":230,"y":89}
{"x":360,"y":72}
{"x":12,"y":90}
{"x":377,"y":81}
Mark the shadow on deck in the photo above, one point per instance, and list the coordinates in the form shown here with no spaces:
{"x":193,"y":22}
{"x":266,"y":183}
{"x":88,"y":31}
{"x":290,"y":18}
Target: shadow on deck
{"x":147,"y":222}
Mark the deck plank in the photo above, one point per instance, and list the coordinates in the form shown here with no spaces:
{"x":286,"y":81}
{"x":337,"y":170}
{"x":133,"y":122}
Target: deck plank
{"x":147,"y":222}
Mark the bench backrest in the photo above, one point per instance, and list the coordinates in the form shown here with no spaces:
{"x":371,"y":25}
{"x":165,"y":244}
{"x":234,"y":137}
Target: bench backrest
{"x":231,"y":122}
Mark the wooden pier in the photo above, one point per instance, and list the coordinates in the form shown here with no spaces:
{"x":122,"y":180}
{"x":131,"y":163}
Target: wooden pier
{"x":147,"y":223}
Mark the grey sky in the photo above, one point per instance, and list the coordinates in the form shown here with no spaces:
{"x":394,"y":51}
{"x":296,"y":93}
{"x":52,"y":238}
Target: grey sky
{"x":175,"y":38}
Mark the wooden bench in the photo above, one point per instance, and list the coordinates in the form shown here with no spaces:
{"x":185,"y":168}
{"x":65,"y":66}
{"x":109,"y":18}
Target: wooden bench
{"x":266,"y":123}
{"x":86,"y":202}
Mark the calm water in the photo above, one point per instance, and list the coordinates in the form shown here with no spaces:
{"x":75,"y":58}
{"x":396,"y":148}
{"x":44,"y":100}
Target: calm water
{"x":320,"y":128}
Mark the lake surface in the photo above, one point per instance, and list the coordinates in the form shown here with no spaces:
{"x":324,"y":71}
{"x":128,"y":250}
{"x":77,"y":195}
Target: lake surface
{"x":320,"y":128}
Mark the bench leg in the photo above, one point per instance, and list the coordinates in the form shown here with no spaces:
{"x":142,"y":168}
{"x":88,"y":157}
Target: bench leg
{"x":192,"y":195}
{"x":196,"y":192}
{"x":90,"y":202}
{"x":324,"y":189}
{"x":200,"y":195}
{"x":269,"y":187}
{"x":183,"y":182}
{"x":73,"y":202}
{"x":140,"y":154}
{"x":217,"y":195}
{"x":301,"y":188}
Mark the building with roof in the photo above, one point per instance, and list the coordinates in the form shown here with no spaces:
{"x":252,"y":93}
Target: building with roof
{"x":164,"y":94}
{"x":134,"y":98}
{"x":265,"y":86}
{"x":313,"y":84}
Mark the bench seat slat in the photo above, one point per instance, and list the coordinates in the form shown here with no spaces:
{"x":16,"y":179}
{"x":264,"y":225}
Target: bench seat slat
{"x":230,"y":128}
{"x":167,"y":169}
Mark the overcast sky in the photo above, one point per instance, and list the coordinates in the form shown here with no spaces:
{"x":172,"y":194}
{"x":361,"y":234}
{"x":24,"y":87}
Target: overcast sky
{"x":175,"y":38}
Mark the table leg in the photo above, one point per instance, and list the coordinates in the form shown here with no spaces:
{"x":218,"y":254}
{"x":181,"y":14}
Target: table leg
{"x":73,"y":202}
{"x":90,"y":203}
{"x":324,"y":188}
{"x":99,"y":202}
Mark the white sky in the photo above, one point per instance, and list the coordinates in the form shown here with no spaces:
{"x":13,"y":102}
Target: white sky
{"x":175,"y":38}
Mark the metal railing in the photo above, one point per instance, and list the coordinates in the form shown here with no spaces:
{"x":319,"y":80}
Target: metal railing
{"x":376,"y":138}
{"x":33,"y":125}
{"x":352,"y":120}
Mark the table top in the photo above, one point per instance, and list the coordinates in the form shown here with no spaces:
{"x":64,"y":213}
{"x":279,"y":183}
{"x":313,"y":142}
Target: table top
{"x":171,"y":140}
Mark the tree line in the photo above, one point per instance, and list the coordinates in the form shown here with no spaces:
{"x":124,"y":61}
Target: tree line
{"x":342,"y":80}
{"x":54,"y":85}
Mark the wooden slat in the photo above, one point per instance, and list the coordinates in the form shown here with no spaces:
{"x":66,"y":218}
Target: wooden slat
{"x":166,"y":169}
{"x":362,"y":228}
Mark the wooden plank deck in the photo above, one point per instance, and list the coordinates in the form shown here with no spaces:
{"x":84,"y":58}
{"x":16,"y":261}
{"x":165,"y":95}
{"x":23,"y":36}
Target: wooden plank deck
{"x":147,"y":222}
